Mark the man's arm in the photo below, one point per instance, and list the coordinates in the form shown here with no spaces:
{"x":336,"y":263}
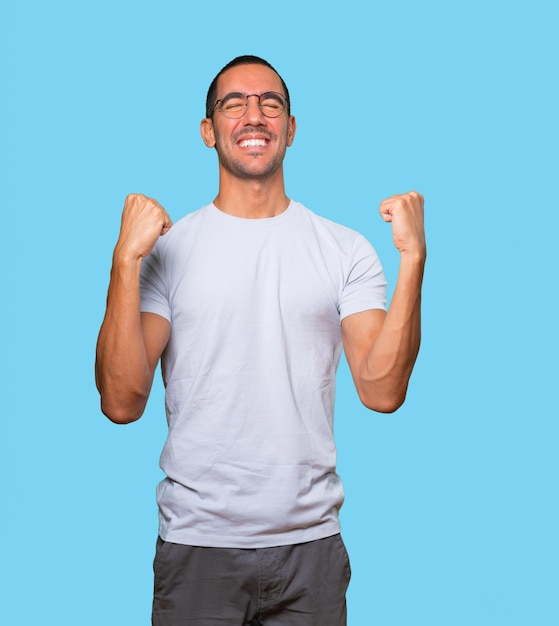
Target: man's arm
{"x":381,"y":348}
{"x":130,"y":343}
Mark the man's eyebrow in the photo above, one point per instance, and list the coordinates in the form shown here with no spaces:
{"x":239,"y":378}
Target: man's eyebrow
{"x":274,"y":94}
{"x":233,"y":94}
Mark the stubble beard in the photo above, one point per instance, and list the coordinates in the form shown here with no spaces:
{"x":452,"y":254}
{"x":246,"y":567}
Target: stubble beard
{"x":242,"y":171}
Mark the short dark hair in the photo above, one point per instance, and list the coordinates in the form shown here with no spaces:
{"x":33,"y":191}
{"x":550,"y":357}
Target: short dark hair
{"x":247,"y":59}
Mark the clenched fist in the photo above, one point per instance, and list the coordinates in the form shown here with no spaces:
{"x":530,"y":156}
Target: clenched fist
{"x":405,"y":211}
{"x":143,"y":221}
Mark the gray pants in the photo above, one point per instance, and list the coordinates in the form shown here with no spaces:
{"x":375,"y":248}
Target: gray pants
{"x":298,"y":585}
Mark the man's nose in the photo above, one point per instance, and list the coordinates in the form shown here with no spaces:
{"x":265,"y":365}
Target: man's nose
{"x":253,"y":113}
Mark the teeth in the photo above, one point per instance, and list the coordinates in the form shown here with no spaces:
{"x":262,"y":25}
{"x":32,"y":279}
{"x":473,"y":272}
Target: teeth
{"x":251,"y":143}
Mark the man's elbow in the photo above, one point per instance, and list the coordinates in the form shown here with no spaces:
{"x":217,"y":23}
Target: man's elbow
{"x":383,"y":403}
{"x":121,"y":414}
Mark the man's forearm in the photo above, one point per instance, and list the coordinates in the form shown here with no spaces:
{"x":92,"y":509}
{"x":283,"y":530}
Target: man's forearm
{"x":123,"y":372}
{"x":388,"y":365}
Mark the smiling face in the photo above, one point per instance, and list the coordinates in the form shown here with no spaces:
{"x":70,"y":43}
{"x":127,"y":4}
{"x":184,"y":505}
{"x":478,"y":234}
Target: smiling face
{"x":252,"y":146}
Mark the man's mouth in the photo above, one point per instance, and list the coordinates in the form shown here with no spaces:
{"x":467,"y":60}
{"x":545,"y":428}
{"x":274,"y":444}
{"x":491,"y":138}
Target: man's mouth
{"x":253,"y":143}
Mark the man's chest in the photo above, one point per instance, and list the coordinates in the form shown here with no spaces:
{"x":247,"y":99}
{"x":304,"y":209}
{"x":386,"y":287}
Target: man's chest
{"x":264,"y":278}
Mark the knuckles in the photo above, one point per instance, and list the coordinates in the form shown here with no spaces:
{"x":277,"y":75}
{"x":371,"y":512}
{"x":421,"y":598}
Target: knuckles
{"x":138,"y":203}
{"x":412,"y":197}
{"x":411,"y":200}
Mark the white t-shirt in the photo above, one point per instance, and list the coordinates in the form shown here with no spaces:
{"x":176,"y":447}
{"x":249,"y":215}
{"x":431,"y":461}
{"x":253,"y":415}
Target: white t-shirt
{"x":255,"y":307}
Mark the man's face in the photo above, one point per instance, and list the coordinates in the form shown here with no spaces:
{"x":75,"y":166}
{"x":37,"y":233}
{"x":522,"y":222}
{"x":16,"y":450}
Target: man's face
{"x":252,"y":146}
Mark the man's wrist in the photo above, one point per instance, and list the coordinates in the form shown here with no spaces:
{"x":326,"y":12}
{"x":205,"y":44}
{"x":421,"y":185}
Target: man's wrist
{"x":414,"y":257}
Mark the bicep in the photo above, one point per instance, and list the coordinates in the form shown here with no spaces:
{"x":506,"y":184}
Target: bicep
{"x":359,"y":332}
{"x":156,"y":331}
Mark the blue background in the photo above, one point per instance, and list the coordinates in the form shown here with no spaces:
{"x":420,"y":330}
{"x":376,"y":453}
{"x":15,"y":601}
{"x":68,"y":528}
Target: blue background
{"x":451,"y":515}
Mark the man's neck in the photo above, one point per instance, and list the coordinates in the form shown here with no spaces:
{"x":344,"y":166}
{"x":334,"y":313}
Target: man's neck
{"x":251,"y":199}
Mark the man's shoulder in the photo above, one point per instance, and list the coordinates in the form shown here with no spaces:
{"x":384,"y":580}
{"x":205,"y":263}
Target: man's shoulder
{"x":183,"y":225}
{"x":191,"y":216}
{"x":338,"y":231}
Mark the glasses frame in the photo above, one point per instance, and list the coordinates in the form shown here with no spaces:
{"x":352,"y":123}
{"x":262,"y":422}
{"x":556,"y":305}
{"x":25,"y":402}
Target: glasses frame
{"x":284,"y":98}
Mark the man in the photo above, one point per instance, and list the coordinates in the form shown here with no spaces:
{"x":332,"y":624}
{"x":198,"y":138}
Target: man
{"x":247,"y":302}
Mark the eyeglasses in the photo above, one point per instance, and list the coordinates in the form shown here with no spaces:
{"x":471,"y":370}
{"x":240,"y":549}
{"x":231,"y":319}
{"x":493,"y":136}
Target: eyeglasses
{"x":234,"y":105}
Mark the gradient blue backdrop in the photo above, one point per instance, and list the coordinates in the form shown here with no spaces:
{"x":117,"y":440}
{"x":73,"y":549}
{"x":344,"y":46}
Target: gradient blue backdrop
{"x":451,"y":516}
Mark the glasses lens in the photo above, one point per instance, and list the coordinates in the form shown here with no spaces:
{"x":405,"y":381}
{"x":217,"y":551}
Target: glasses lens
{"x":233,"y":105}
{"x":272,"y":104}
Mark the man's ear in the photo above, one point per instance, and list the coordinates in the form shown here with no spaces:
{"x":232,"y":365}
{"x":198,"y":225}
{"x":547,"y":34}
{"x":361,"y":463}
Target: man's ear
{"x":207,"y":132}
{"x":291,"y":128}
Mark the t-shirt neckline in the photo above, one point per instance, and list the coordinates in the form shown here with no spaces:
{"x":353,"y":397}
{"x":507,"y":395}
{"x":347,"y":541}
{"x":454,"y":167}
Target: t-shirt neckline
{"x":276,"y":219}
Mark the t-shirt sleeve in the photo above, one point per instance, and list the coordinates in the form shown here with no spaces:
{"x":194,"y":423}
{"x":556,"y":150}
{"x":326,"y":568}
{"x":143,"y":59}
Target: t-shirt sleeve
{"x":365,"y":285}
{"x":153,"y":290}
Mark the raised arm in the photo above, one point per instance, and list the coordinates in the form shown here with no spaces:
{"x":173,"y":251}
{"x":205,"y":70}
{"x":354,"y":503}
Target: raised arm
{"x":130,"y":343}
{"x":381,"y":348}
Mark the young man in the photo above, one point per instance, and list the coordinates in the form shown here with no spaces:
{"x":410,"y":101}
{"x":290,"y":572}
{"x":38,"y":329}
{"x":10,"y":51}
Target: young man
{"x":248,"y":302}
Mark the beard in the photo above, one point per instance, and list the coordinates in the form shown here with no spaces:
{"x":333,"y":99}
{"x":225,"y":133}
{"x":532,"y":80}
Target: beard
{"x":256,"y":169}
